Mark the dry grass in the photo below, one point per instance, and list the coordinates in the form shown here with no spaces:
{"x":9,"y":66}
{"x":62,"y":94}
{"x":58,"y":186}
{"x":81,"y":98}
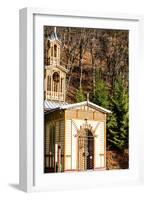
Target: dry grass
{"x":117,"y":160}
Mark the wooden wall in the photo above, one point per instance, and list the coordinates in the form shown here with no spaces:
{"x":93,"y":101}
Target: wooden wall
{"x":67,"y":123}
{"x":55,"y":120}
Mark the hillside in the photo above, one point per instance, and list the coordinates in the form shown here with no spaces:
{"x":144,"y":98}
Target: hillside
{"x":85,"y":51}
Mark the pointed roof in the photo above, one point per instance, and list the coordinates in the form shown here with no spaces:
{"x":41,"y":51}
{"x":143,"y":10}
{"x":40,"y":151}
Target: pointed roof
{"x":66,"y":106}
{"x":54,"y":36}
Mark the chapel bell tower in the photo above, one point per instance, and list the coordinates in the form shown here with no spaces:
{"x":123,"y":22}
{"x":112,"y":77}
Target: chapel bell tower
{"x":55,"y":74}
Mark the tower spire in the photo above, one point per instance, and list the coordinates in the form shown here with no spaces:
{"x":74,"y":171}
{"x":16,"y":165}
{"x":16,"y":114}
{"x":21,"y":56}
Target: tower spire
{"x":55,"y":32}
{"x":55,"y":29}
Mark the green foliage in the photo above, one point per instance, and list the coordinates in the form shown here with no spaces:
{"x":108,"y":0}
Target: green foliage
{"x":80,"y":95}
{"x":117,"y":125}
{"x":101,"y":96}
{"x":117,"y":102}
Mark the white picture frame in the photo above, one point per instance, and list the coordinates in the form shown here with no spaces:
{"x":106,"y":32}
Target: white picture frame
{"x":31,"y":175}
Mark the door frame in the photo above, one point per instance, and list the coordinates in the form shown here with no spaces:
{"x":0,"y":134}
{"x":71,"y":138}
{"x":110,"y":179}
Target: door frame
{"x":80,"y":136}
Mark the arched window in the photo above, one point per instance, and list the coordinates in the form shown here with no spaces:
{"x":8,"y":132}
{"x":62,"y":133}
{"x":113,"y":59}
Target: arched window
{"x":56,"y":78}
{"x":58,"y":53}
{"x":55,"y":87}
{"x":55,"y":50}
{"x":61,"y":86}
{"x":51,"y":51}
{"x":49,"y":83}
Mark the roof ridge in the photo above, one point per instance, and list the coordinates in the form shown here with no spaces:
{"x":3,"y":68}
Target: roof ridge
{"x":65,"y":105}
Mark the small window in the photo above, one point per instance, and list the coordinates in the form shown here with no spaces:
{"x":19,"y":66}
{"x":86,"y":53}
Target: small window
{"x":55,"y":87}
{"x":56,"y":77}
{"x":51,"y":51}
{"x":55,"y":50}
{"x":49,"y":83}
{"x":62,"y":80}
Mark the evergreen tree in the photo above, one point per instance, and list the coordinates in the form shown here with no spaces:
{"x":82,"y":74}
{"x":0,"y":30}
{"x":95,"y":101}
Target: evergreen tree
{"x":101,"y":96}
{"x":80,"y":95}
{"x":118,"y":121}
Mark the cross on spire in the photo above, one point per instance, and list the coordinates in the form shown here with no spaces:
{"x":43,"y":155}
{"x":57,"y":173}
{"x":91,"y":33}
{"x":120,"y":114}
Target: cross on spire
{"x":88,"y":96}
{"x":55,"y":33}
{"x":55,"y":29}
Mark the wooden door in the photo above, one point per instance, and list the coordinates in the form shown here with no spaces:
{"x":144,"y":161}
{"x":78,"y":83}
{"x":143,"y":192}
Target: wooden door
{"x":86,"y":151}
{"x":90,"y":156}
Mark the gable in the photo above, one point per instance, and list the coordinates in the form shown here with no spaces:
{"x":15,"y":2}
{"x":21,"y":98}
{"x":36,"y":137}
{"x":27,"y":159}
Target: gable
{"x":86,"y":105}
{"x":85,"y":108}
{"x":85,"y":114}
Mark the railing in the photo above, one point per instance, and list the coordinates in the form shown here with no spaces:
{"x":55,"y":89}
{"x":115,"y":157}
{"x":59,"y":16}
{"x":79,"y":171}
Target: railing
{"x":49,"y":164}
{"x":55,"y":95}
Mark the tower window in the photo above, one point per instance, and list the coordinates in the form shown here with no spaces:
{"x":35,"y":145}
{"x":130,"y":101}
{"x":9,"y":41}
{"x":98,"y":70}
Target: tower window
{"x":51,"y":51}
{"x":49,"y":83}
{"x":56,"y":77}
{"x":62,"y":79}
{"x":55,"y":50}
{"x":55,"y":87}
